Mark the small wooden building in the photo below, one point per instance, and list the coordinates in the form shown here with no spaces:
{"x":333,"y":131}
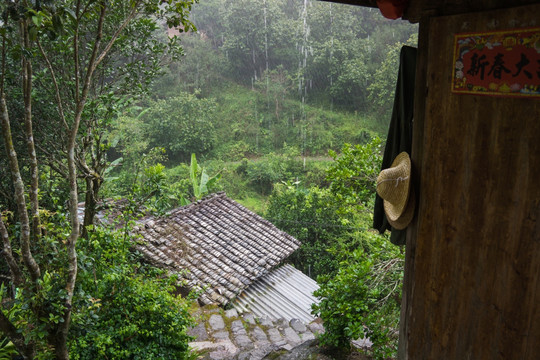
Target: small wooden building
{"x":472,"y":278}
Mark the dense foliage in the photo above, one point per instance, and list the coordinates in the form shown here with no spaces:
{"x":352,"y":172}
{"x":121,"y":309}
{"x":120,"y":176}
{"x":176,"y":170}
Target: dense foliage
{"x":363,"y":299}
{"x":157,"y":189}
{"x":358,"y":270}
{"x":353,"y":174}
{"x":311,"y":215}
{"x":183,"y":125}
{"x":329,"y":220}
{"x":310,"y":74}
{"x":309,"y":48}
{"x":125,"y":310}
{"x":67,"y":70}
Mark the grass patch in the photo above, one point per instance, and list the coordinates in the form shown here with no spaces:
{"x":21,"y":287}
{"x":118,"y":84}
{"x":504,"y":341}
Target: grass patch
{"x":248,"y":127}
{"x":255,"y":202}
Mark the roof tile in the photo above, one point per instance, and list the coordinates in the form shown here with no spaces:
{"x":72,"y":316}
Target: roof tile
{"x":225,"y":246}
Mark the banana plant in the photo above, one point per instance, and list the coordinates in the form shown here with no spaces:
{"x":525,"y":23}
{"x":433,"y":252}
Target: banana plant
{"x":200,"y":184}
{"x":7,"y":349}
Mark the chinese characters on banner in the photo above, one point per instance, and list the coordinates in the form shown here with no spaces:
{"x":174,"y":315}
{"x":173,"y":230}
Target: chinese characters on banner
{"x":499,"y":63}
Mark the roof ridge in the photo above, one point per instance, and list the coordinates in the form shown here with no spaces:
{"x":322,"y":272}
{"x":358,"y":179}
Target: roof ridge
{"x":195,"y":205}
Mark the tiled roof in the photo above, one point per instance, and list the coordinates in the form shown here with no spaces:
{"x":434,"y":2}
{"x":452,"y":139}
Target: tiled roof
{"x":285,"y":292}
{"x":224,"y":246}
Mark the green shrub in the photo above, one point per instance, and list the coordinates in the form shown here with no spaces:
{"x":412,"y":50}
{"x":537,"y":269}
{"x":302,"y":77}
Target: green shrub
{"x":233,"y":151}
{"x":272,"y":168}
{"x":311,"y":215}
{"x":18,"y":303}
{"x":315,"y":173}
{"x":353,"y":175}
{"x":234,"y":183}
{"x":121,"y":310}
{"x":363,"y":299}
{"x":125,"y":310}
{"x":265,"y":172}
{"x":182,"y":125}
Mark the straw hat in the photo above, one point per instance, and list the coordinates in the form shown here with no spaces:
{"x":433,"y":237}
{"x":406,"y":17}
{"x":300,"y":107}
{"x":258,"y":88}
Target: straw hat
{"x":394,"y":187}
{"x":405,"y":219}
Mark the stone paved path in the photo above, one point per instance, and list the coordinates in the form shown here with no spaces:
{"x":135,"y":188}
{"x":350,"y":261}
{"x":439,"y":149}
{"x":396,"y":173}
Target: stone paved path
{"x":227,"y":335}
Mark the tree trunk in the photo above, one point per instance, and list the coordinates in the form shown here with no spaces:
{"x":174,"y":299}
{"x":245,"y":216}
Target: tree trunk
{"x":60,"y":347}
{"x":18,"y":184}
{"x":90,"y":204}
{"x":27,"y":94}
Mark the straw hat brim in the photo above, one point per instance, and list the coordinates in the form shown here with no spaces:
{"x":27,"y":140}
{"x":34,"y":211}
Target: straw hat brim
{"x":405,"y":218}
{"x":393,"y":186}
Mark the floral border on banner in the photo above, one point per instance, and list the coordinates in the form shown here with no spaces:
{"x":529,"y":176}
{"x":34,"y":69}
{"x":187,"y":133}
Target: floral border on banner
{"x":498,"y":63}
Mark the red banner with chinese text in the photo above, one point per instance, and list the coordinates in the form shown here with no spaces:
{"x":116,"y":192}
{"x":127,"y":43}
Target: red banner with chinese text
{"x":498,"y":63}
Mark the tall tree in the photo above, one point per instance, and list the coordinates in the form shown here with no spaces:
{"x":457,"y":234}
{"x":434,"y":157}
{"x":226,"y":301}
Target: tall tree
{"x":85,"y":32}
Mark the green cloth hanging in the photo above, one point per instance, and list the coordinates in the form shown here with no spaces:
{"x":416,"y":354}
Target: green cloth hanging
{"x":399,"y":134}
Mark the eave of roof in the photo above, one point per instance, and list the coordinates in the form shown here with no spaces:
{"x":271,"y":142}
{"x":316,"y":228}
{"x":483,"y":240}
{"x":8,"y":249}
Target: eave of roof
{"x":285,"y":293}
{"x":417,"y":9}
{"x":367,"y":3}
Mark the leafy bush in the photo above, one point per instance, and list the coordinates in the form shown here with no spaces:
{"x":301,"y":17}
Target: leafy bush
{"x":354,"y":172}
{"x":122,"y":309}
{"x":126,"y":175}
{"x":315,"y":173}
{"x":311,"y":216}
{"x":272,"y":168}
{"x":233,"y":181}
{"x":263,"y":174}
{"x":363,"y":299}
{"x":178,"y":183}
{"x":182,"y":125}
{"x":38,"y":314}
{"x":125,"y":310}
{"x":234,"y":151}
{"x":159,"y":189}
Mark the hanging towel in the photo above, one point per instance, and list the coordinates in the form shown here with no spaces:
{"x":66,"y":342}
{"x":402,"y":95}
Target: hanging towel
{"x":399,"y":134}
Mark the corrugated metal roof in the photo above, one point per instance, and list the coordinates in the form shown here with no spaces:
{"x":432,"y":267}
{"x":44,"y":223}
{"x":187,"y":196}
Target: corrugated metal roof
{"x":285,"y":292}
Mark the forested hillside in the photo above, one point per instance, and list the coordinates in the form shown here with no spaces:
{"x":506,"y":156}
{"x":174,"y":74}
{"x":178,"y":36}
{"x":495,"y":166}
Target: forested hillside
{"x":263,"y":74}
{"x":264,"y":79}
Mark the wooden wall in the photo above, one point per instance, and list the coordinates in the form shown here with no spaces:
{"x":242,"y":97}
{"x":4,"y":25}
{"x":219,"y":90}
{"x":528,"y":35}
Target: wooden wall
{"x":472,"y":287}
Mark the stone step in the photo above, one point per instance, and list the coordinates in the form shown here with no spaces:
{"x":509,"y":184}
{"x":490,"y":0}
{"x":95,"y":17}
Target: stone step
{"x":230,"y":336}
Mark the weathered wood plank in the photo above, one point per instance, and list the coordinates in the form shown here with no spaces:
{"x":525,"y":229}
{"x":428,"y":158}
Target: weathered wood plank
{"x":476,"y":279}
{"x":416,"y":157}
